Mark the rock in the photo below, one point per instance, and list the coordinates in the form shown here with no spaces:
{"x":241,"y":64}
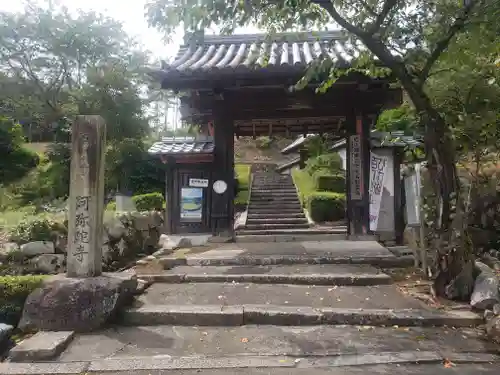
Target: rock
{"x":5,"y":342}
{"x":488,"y":314}
{"x":493,"y":329}
{"x":31,"y":249}
{"x":142,"y":222}
{"x":157,"y":219}
{"x":61,"y":244}
{"x":141,"y":262}
{"x":485,"y":294}
{"x":173,"y":242}
{"x":116,"y":229}
{"x":49,"y":263}
{"x":80,"y":305}
{"x":150,"y":258}
{"x":496,"y":309}
{"x":481,"y":267}
{"x":6,"y":249}
{"x":220,"y":239}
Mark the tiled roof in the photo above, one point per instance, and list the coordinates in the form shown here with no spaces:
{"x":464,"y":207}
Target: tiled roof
{"x":182,"y":145}
{"x":296,"y":144}
{"x":260,"y":50}
{"x":387,"y":139}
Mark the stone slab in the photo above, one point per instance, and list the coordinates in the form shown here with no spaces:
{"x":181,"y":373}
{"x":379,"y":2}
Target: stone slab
{"x":41,"y":346}
{"x":278,"y":274}
{"x":174,"y":363}
{"x":41,"y":368}
{"x":394,"y":369}
{"x":314,"y":340}
{"x":366,"y":297}
{"x":206,"y":315}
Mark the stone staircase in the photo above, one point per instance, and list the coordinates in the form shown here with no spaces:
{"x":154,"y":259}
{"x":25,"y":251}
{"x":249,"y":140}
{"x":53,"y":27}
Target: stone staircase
{"x":274,"y":207}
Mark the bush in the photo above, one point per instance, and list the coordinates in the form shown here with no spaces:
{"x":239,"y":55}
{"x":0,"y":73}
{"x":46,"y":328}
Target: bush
{"x":326,"y":206}
{"x":327,"y":163}
{"x":36,"y":229}
{"x":111,"y":206}
{"x":263,"y":143}
{"x":149,"y":202}
{"x":13,"y":293}
{"x":326,"y":182}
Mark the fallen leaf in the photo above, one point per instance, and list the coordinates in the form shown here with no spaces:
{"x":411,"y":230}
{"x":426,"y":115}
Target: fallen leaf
{"x":244,"y":339}
{"x":307,"y":293}
{"x":282,"y":360}
{"x":420,"y":338}
{"x":321,"y":299}
{"x":339,"y":300}
{"x":448,"y":364}
{"x":204,"y":333}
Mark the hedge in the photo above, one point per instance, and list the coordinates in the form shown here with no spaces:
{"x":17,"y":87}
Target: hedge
{"x":327,"y":182}
{"x":13,"y":293}
{"x":326,"y":206}
{"x":144,"y":202}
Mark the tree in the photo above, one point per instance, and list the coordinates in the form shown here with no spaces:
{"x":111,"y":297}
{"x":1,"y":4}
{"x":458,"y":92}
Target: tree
{"x":54,"y":65}
{"x":409,"y":38}
{"x":16,"y":161}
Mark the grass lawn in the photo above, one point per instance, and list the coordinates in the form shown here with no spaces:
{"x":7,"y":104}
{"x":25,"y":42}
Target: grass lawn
{"x":243,"y":175}
{"x":304,"y":183}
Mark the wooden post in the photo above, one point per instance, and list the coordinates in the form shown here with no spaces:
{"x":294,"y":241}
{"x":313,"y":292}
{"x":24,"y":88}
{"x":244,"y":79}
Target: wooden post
{"x":86,"y":197}
{"x":358,"y":175}
{"x":399,"y":225}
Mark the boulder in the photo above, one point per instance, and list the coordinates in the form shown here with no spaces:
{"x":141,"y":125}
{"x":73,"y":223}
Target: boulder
{"x":5,"y":332}
{"x":493,"y":329}
{"x":48,"y":263}
{"x":34,"y":248}
{"x":173,"y":242}
{"x":485,"y":294}
{"x":7,"y":248}
{"x":80,"y":305}
{"x":116,"y":229}
{"x":496,"y":309}
{"x":61,"y":244}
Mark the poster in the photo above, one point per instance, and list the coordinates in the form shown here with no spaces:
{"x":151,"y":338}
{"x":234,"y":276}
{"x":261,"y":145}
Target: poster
{"x":412,"y":197}
{"x":191,"y":204}
{"x":378,"y":173}
{"x":356,"y":170}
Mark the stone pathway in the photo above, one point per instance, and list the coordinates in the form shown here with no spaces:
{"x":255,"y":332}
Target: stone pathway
{"x":293,"y":308}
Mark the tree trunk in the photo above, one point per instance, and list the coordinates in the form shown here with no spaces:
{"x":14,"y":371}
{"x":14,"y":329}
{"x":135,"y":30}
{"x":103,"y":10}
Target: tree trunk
{"x":454,"y":261}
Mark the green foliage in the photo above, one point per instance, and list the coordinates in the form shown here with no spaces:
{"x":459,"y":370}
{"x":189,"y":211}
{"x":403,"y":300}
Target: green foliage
{"x":35,"y":229}
{"x":149,"y":202}
{"x":326,"y":182}
{"x":398,"y":119}
{"x":129,"y":167}
{"x":15,"y":160}
{"x":326,"y":206}
{"x":304,"y":183}
{"x":328,"y":163}
{"x":13,"y":293}
{"x":263,"y":143}
{"x":243,"y":178}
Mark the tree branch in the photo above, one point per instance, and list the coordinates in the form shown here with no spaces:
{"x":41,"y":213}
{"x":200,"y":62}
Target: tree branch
{"x":330,"y":8}
{"x":443,"y":43}
{"x":386,"y":8}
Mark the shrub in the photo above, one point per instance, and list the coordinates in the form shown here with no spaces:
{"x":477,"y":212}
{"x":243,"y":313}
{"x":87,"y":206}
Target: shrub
{"x":327,"y":182}
{"x":36,"y":229}
{"x":326,"y":206}
{"x":263,"y":143}
{"x":149,"y":202}
{"x":13,"y":293}
{"x":111,"y":206}
{"x":328,"y":163}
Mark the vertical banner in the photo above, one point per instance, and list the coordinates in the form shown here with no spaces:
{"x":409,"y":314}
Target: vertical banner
{"x":356,"y":168}
{"x":378,"y":173}
{"x":412,"y":197}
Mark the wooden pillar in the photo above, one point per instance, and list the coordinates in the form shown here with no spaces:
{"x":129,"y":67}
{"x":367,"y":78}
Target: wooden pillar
{"x":86,"y":197}
{"x":358,"y":174}
{"x":399,"y":225}
{"x":223,"y":204}
{"x":169,"y":199}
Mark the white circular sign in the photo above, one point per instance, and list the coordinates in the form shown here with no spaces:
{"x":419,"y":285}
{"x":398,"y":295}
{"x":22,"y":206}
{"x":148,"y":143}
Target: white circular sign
{"x":220,"y":187}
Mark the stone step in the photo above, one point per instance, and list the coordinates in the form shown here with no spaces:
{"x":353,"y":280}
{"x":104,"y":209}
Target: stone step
{"x":276,"y":226}
{"x":276,"y":194}
{"x":280,"y":220}
{"x":273,"y":197}
{"x":276,"y":206}
{"x":290,"y":236}
{"x":273,"y":201}
{"x":320,"y":274}
{"x":205,"y":347}
{"x":294,"y":232}
{"x":290,"y":190}
{"x":271,"y":210}
{"x":273,"y":214}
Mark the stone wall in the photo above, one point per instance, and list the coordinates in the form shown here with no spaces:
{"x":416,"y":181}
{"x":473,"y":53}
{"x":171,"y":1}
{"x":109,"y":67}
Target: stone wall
{"x":127,"y":236}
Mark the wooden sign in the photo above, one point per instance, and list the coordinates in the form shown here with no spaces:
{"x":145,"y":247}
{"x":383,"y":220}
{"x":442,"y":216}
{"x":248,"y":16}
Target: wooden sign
{"x":355,"y":168}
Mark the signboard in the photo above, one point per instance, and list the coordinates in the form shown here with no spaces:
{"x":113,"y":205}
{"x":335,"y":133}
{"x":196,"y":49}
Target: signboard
{"x":198,"y":182}
{"x":191,"y":204}
{"x":356,"y":168}
{"x":378,"y":171}
{"x":412,"y":197}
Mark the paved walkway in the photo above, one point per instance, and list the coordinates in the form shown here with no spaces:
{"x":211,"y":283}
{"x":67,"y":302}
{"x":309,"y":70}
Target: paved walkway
{"x":278,"y":308}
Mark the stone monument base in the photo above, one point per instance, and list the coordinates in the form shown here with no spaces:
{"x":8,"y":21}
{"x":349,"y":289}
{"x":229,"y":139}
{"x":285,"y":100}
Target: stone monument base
{"x":80,"y":305}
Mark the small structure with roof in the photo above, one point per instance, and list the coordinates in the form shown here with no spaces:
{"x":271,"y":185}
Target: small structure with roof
{"x":244,"y":85}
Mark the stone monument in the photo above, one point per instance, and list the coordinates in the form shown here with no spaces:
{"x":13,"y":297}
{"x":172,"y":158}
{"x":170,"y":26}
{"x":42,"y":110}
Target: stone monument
{"x":86,"y":197}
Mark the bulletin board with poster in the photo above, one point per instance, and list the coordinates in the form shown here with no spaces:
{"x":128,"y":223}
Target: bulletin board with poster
{"x":191,"y":204}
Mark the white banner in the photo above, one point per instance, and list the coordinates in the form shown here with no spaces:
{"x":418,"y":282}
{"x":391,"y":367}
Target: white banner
{"x":378,"y":173}
{"x":412,"y":197}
